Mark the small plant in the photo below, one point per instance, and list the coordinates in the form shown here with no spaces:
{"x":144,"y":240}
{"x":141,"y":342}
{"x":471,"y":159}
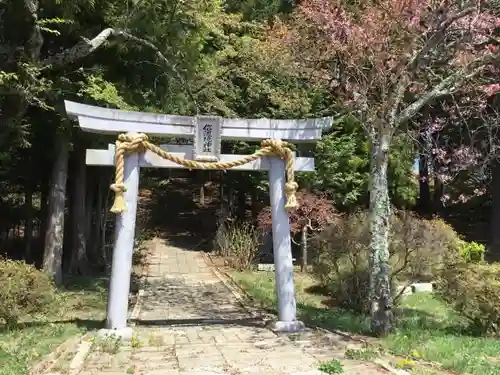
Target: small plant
{"x":110,"y":344}
{"x":472,"y":252}
{"x":363,"y":354}
{"x":135,"y":342}
{"x":131,"y":370}
{"x":415,"y":355}
{"x":139,"y":256}
{"x":156,"y":340}
{"x":332,"y":367}
{"x":238,"y":245}
{"x":405,"y":364}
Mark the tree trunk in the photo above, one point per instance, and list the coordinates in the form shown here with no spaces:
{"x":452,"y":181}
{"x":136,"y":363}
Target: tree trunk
{"x":28,"y":219}
{"x":255,"y":203}
{"x":105,"y":214}
{"x":44,"y":206}
{"x":52,"y":257}
{"x":242,"y":203}
{"x":437,"y":196}
{"x":97,"y":226}
{"x":424,"y":191}
{"x":79,"y":243}
{"x":200,"y":176}
{"x":494,"y":248}
{"x":380,"y":288}
{"x":303,"y":245}
{"x":89,"y":228}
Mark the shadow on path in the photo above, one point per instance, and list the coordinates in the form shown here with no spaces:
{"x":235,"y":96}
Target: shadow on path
{"x":250,"y":322}
{"x":177,"y":216}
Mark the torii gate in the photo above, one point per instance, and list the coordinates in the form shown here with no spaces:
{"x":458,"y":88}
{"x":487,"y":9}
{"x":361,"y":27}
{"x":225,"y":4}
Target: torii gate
{"x":207,"y":131}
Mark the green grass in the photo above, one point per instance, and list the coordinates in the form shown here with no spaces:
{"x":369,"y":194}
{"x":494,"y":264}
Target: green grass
{"x":426,"y":328}
{"x":79,"y":309}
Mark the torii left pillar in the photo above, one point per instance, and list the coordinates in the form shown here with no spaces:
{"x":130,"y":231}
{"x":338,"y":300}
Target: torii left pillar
{"x":121,"y":269}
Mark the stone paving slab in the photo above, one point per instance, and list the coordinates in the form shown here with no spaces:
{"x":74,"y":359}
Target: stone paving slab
{"x":190,"y":323}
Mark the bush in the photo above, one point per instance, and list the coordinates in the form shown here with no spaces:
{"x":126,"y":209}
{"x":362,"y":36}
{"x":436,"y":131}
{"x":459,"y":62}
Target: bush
{"x":23,"y":290}
{"x":340,"y":262}
{"x":419,"y":250}
{"x":473,"y":290}
{"x":427,"y":245}
{"x":238,"y":244}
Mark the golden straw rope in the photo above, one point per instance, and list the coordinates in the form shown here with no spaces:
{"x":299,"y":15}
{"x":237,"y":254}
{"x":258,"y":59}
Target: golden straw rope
{"x":133,"y":143}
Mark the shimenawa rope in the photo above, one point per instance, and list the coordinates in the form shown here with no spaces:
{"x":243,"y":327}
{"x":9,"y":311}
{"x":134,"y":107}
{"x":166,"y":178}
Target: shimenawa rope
{"x":133,"y":143}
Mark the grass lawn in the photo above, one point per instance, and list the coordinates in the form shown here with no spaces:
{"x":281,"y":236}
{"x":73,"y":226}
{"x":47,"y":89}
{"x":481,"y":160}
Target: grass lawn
{"x":79,"y":309}
{"x":426,"y":329}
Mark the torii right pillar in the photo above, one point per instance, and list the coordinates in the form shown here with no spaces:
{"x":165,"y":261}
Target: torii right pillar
{"x":282,"y":251}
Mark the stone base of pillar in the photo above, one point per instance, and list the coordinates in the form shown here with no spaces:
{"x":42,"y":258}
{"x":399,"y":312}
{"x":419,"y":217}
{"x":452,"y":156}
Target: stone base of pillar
{"x":124,"y":334}
{"x":287,"y":327}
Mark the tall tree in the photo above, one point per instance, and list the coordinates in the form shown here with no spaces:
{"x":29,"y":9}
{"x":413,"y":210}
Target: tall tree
{"x":388,"y":60}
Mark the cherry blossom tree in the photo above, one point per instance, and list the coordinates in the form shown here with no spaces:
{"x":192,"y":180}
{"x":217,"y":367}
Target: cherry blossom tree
{"x":385,"y":61}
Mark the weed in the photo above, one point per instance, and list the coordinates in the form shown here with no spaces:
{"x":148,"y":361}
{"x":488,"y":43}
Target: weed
{"x":363,"y":354}
{"x":110,"y":344}
{"x":156,"y":340}
{"x":405,"y":364}
{"x":135,"y":342}
{"x":332,"y":367}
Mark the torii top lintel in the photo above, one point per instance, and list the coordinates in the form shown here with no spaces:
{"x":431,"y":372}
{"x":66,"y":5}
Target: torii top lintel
{"x":112,"y":121}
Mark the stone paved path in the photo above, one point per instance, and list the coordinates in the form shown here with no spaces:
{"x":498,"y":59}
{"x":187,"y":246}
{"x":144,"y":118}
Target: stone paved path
{"x":190,"y":323}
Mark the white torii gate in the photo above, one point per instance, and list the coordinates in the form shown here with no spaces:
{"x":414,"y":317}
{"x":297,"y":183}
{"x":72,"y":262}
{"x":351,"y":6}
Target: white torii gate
{"x":207,"y":131}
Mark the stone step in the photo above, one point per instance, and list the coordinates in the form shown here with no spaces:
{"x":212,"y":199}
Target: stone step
{"x":406,"y":290}
{"x":269,"y":267}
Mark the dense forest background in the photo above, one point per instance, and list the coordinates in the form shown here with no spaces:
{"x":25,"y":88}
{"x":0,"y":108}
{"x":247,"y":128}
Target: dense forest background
{"x":189,"y":57}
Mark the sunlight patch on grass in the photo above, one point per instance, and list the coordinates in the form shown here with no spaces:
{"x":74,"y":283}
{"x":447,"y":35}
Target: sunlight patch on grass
{"x":310,"y":306}
{"x":427,"y":329}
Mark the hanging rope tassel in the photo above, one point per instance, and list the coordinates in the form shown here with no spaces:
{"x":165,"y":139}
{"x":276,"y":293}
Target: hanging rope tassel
{"x":282,"y":149}
{"x":135,"y":143}
{"x":119,"y":186}
{"x":126,"y":144}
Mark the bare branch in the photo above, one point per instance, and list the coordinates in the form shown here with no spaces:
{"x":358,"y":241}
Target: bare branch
{"x":88,"y":46}
{"x":399,"y":96}
{"x":446,"y":87}
{"x":437,"y":36}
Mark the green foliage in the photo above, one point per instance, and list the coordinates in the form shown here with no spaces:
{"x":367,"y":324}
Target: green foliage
{"x":24,"y":290}
{"x":52,"y":21}
{"x":342,"y":167}
{"x":403,"y":186}
{"x":238,"y":244}
{"x":472,"y":252}
{"x":332,"y":367}
{"x":103,"y":92}
{"x":419,"y":250}
{"x":473,"y":290}
{"x":260,"y":9}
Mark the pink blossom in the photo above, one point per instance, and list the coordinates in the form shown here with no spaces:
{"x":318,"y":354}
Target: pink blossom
{"x":491,"y":89}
